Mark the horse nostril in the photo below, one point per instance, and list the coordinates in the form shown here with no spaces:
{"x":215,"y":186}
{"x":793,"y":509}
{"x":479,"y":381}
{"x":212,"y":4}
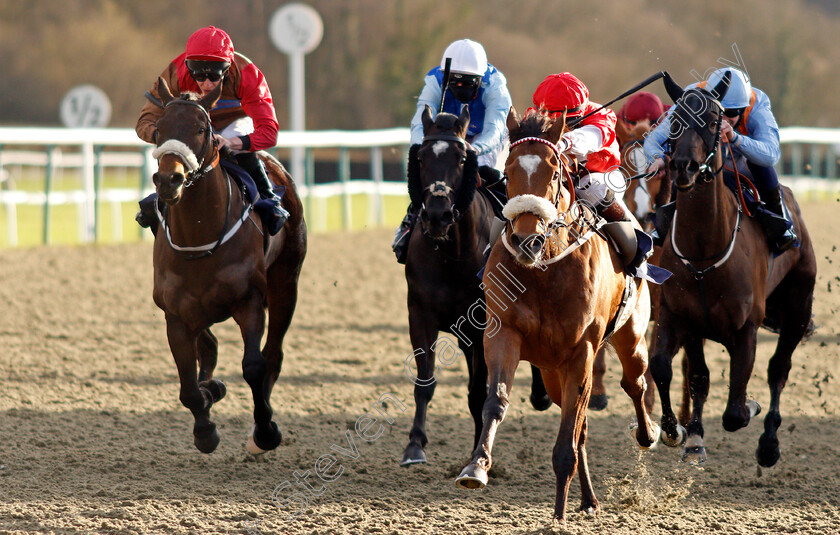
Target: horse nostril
{"x":424,"y":215}
{"x":447,"y":218}
{"x":515,"y":240}
{"x":537,"y":243}
{"x":693,"y":167}
{"x":176,"y":180}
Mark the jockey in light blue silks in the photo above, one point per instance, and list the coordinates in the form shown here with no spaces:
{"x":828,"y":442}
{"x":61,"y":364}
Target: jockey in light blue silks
{"x":753,"y":134}
{"x":483,"y":89}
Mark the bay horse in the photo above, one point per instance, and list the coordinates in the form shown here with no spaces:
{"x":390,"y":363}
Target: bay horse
{"x":573,"y":285}
{"x":212,"y":262}
{"x":725,"y":278}
{"x":442,"y":263}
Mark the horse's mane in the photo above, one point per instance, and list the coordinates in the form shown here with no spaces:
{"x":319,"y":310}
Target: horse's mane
{"x":532,"y":125}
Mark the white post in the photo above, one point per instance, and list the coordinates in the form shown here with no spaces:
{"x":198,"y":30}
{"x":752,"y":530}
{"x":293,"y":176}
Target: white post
{"x":86,"y":232}
{"x":297,"y":110}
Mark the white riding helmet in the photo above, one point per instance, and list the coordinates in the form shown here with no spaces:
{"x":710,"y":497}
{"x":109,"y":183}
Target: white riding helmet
{"x":740,"y":90}
{"x":467,"y":56}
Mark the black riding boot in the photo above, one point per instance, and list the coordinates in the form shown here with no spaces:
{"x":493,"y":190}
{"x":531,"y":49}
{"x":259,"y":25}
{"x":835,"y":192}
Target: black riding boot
{"x":620,"y":229}
{"x":782,"y":239}
{"x":403,"y":234}
{"x":252,"y":163}
{"x":146,"y":217}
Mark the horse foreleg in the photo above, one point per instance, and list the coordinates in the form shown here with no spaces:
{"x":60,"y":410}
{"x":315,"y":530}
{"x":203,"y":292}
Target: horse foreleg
{"x":423,"y":334}
{"x":502,"y":355}
{"x":739,"y":411}
{"x":198,"y":399}
{"x":478,"y":383}
{"x":665,"y":346}
{"x":696,"y":379}
{"x":250,"y":316}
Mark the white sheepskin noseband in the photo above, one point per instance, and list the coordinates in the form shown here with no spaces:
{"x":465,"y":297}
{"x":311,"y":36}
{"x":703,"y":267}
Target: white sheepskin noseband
{"x":530,"y":204}
{"x":178,"y":148}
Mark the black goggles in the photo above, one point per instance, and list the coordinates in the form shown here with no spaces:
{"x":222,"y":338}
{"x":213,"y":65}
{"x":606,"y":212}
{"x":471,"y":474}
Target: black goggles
{"x":464,"y":80}
{"x":733,"y":113}
{"x":207,"y":70}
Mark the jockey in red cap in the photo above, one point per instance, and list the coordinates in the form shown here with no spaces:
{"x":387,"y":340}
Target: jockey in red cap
{"x":593,"y":142}
{"x":243,"y":119}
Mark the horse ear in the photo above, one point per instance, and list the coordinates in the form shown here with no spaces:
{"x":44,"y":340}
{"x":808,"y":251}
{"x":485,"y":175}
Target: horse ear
{"x":720,"y":89}
{"x":557,"y":128}
{"x":673,"y":88}
{"x":163,"y":91}
{"x":464,"y":121}
{"x":427,"y":119}
{"x":209,"y":100}
{"x":512,"y":119}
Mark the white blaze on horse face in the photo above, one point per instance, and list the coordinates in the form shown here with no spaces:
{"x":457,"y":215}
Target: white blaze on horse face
{"x":529,"y":163}
{"x":440,"y":147}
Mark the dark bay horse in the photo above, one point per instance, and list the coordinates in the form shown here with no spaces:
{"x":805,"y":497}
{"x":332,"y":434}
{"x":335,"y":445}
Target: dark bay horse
{"x":724,"y":280}
{"x":210,"y":264}
{"x":572,"y":285}
{"x":443,"y":260}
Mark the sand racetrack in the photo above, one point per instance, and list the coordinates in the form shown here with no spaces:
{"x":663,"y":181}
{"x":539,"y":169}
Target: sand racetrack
{"x":93,"y":438}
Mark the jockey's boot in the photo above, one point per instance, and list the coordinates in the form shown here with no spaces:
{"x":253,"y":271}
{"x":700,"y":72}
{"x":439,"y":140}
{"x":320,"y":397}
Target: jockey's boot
{"x":252,"y":163}
{"x":782,"y":239}
{"x":619,"y":227}
{"x":146,"y":217}
{"x":403,"y":234}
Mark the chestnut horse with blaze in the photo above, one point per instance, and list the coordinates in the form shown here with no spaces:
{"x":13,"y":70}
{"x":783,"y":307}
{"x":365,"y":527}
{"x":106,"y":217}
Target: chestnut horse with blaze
{"x":574,"y":283}
{"x":213,"y":261}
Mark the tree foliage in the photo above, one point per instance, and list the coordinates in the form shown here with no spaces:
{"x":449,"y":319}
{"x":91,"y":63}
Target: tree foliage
{"x":369,"y":68}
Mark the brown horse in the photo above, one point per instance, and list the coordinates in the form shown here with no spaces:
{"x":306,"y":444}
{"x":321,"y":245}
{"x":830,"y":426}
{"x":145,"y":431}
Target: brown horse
{"x":572,"y":284}
{"x":210,"y":264}
{"x":724,"y":279}
{"x":641,"y":197}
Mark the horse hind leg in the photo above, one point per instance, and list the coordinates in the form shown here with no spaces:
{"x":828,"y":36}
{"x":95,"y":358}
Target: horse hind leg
{"x":794,"y":323}
{"x":208,"y":351}
{"x":250,"y":316}
{"x":599,"y":399}
{"x":539,"y":397}
{"x":198,"y":399}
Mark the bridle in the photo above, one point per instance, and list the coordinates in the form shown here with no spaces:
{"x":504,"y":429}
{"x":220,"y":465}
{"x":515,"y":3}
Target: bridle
{"x":208,"y":146}
{"x":440,"y":188}
{"x":705,"y":170}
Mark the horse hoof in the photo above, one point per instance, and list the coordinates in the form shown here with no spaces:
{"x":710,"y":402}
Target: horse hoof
{"x":259,"y":443}
{"x":753,"y":407}
{"x":413,"y":455}
{"x":540,"y":403}
{"x":216,"y":388}
{"x":673,"y":442}
{"x":694,"y":455}
{"x":768,"y":453}
{"x":472,"y":477}
{"x":598,"y":402}
{"x":206,"y":438}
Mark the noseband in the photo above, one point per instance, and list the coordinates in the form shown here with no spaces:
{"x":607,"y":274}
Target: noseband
{"x":556,"y":175}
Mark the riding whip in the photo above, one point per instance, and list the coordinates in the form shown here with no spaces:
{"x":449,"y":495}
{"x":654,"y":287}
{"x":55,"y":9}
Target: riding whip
{"x":445,"y":83}
{"x":661,"y":74}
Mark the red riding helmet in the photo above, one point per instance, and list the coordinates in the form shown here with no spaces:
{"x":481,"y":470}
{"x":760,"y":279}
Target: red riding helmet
{"x":210,"y":44}
{"x":642,"y":105}
{"x":561,"y":92}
